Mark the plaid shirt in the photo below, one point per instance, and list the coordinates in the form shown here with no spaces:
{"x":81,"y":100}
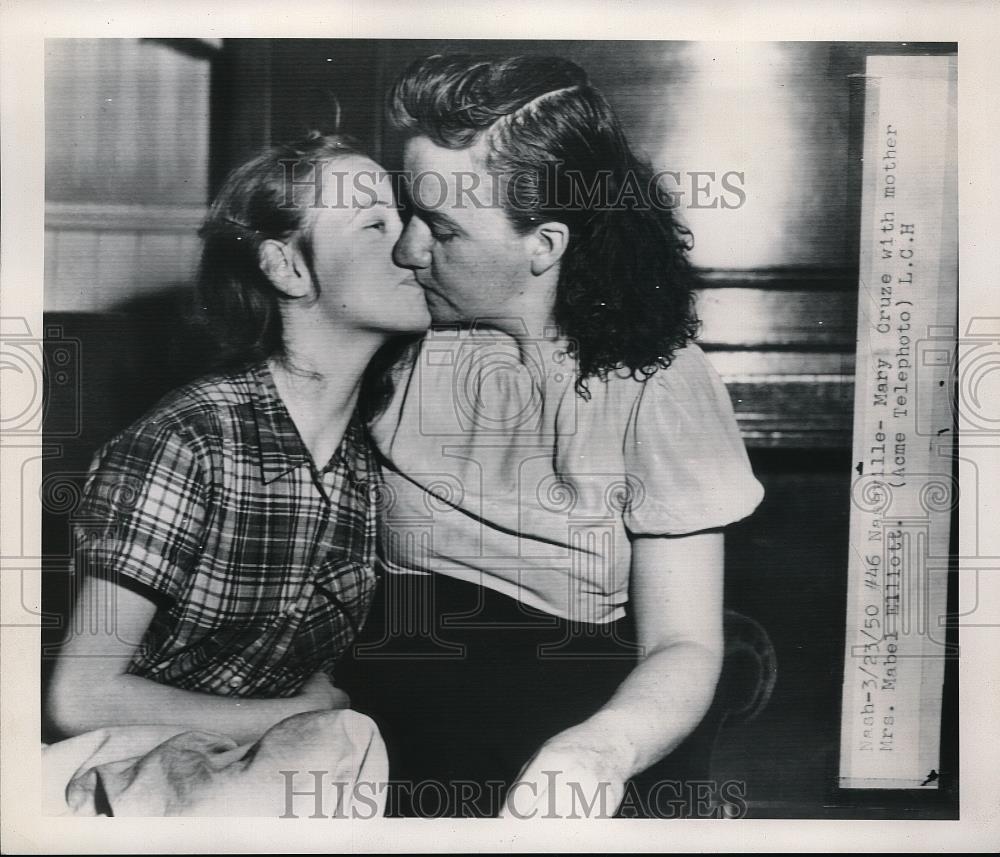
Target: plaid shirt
{"x":262,"y":566}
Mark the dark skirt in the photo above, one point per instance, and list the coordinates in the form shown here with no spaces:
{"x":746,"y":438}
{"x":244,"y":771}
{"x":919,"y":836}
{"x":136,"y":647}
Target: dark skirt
{"x":466,"y":684}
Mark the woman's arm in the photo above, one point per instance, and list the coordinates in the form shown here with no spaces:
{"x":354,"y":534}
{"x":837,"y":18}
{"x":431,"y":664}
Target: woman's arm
{"x":676,"y":598}
{"x":91,"y":688}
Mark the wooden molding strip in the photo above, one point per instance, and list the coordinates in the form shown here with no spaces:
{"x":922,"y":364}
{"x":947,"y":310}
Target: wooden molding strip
{"x":790,"y":277}
{"x":117,"y":217}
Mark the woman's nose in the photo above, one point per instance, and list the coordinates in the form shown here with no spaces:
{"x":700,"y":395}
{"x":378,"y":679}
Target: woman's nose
{"x":412,"y":250}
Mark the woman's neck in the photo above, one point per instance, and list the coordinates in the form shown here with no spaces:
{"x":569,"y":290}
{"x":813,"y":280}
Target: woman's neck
{"x":531,"y":323}
{"x":541,"y":337}
{"x":319,"y":383}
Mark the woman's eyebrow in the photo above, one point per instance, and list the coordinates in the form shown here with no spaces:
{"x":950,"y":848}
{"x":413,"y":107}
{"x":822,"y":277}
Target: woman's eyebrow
{"x":379,"y":203}
{"x":435,"y":217}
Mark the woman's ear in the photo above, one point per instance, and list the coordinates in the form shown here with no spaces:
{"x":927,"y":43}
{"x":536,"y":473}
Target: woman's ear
{"x":282,"y":265}
{"x":551,"y":241}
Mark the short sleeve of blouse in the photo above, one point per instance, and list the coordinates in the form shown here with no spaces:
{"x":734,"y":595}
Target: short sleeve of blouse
{"x":142,"y":517}
{"x":684,"y":455}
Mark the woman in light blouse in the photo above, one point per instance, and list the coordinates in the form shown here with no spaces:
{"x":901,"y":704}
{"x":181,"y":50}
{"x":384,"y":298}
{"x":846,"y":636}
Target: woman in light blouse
{"x":560,"y":455}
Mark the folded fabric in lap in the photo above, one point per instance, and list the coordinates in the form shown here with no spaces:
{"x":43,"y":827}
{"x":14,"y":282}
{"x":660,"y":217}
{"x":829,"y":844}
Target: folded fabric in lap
{"x":165,"y":771}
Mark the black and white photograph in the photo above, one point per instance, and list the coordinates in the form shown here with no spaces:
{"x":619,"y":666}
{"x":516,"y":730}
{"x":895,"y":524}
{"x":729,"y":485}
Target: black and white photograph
{"x":523,"y":437}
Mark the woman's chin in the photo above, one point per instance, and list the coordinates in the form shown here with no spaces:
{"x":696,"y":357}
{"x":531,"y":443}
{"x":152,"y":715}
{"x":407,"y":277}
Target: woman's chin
{"x":423,"y":323}
{"x":399,"y":311}
{"x":420,"y":316}
{"x":414,"y":322}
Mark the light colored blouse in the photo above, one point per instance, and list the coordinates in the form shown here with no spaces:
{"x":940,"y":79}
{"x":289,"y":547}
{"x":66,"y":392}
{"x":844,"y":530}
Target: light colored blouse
{"x":498,"y":473}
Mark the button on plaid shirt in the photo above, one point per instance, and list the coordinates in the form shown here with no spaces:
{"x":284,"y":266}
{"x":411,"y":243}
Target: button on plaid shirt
{"x":261,"y":565}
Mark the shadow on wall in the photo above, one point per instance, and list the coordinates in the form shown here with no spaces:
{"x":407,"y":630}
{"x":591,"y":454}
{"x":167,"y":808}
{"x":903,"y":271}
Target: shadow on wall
{"x":119,"y":363}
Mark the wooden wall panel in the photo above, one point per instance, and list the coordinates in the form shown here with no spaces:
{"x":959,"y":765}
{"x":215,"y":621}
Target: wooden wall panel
{"x":75,"y":271}
{"x":758,"y":317}
{"x":127,"y":132}
{"x":99,"y":258}
{"x":126,"y":122}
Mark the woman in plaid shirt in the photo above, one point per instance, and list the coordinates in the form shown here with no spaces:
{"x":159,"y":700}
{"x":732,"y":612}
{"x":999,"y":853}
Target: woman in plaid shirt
{"x":231,"y":531}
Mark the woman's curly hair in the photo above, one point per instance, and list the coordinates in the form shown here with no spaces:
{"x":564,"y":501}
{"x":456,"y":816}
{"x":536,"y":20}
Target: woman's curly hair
{"x":625,"y":296}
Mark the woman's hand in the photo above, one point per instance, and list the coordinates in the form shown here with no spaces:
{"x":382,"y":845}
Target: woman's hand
{"x":579,"y":773}
{"x":676,"y":599}
{"x":319,"y":693}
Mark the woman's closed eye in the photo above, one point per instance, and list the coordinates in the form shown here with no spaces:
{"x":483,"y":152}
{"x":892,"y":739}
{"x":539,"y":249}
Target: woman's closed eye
{"x":377,"y":225}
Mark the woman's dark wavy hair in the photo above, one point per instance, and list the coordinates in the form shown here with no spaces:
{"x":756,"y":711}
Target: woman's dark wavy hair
{"x":238,"y":310}
{"x":625,"y":296}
